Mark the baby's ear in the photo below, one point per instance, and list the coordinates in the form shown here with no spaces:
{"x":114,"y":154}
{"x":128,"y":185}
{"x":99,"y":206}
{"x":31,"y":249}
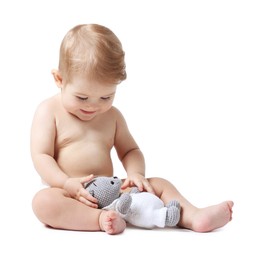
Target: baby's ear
{"x":57,"y":77}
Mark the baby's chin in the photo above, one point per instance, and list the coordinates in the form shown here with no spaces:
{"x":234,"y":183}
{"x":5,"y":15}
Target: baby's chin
{"x":84,"y":116}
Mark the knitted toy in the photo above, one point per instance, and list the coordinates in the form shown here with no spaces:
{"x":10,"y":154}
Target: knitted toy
{"x":106,"y":190}
{"x":141,"y":209}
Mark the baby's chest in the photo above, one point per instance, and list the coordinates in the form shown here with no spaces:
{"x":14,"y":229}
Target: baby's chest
{"x":87,"y":133}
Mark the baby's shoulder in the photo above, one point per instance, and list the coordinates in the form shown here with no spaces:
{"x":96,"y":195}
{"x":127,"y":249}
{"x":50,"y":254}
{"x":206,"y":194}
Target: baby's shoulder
{"x":48,"y":106}
{"x":118,"y":117}
{"x":116,"y":112}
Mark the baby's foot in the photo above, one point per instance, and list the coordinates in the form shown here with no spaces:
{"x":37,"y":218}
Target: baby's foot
{"x":111,"y":222}
{"x":213,"y":217}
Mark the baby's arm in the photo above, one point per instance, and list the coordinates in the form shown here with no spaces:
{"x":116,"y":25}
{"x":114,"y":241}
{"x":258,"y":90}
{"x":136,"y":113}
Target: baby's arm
{"x":131,"y":156}
{"x":43,"y":134}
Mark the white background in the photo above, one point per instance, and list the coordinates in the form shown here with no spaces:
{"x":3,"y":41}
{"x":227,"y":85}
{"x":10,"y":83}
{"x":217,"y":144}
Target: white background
{"x":191,"y":101}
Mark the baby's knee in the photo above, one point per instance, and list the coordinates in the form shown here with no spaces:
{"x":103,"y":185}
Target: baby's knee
{"x":158,"y":185}
{"x":42,"y":203}
{"x":157,"y":181}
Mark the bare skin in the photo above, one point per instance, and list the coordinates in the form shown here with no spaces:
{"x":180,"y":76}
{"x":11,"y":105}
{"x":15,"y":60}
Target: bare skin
{"x":212,"y":217}
{"x":71,"y":140}
{"x":197,"y":219}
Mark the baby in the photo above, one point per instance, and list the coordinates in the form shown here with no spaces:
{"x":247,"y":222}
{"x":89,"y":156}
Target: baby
{"x":74,"y":131}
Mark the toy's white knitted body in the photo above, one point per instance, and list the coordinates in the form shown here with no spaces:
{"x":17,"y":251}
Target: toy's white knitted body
{"x":148,"y":211}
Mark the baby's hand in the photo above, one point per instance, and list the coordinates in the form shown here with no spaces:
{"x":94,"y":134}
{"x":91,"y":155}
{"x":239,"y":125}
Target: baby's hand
{"x":139,"y":181}
{"x":75,"y":188}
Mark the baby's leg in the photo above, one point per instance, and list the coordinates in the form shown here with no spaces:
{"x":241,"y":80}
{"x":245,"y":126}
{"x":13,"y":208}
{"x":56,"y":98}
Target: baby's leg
{"x":196,"y":219}
{"x":55,"y":208}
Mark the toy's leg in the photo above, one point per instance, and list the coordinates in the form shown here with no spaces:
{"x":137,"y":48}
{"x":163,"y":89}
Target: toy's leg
{"x":172,"y":216}
{"x":124,"y":203}
{"x":174,"y":203}
{"x":172,"y":213}
{"x":197,"y":219}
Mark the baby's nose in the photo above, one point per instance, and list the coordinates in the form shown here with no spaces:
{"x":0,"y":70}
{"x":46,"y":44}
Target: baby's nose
{"x":91,"y":106}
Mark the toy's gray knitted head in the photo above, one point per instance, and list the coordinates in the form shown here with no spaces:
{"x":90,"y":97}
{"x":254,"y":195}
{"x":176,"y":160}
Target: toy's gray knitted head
{"x":104,"y":189}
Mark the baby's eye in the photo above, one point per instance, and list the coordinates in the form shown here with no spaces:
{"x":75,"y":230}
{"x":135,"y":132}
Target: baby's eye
{"x":82,"y":98}
{"x":105,"y":98}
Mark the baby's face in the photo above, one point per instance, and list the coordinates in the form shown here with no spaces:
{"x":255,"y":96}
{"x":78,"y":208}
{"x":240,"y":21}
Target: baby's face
{"x":86,"y":99}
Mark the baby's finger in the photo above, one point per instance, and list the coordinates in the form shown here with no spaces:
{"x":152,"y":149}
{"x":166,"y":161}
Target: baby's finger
{"x":86,"y":178}
{"x":126,"y":184}
{"x":139,"y":185}
{"x":85,"y":194}
{"x":148,"y":187}
{"x":88,"y":203}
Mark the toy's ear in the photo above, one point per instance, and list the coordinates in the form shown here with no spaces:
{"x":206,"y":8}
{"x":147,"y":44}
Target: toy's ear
{"x":88,"y":183}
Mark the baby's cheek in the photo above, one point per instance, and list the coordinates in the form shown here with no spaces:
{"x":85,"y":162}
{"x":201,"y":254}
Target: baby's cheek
{"x":71,"y":106}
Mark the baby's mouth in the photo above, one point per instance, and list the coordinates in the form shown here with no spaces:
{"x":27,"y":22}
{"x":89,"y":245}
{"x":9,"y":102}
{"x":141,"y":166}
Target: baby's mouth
{"x":87,"y":112}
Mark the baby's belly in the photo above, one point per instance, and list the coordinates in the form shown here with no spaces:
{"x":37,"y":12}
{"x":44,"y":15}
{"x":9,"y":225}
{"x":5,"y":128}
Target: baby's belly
{"x":81,"y":161}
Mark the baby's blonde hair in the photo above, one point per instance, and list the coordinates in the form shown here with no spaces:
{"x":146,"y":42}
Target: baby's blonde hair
{"x":93,"y":51}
